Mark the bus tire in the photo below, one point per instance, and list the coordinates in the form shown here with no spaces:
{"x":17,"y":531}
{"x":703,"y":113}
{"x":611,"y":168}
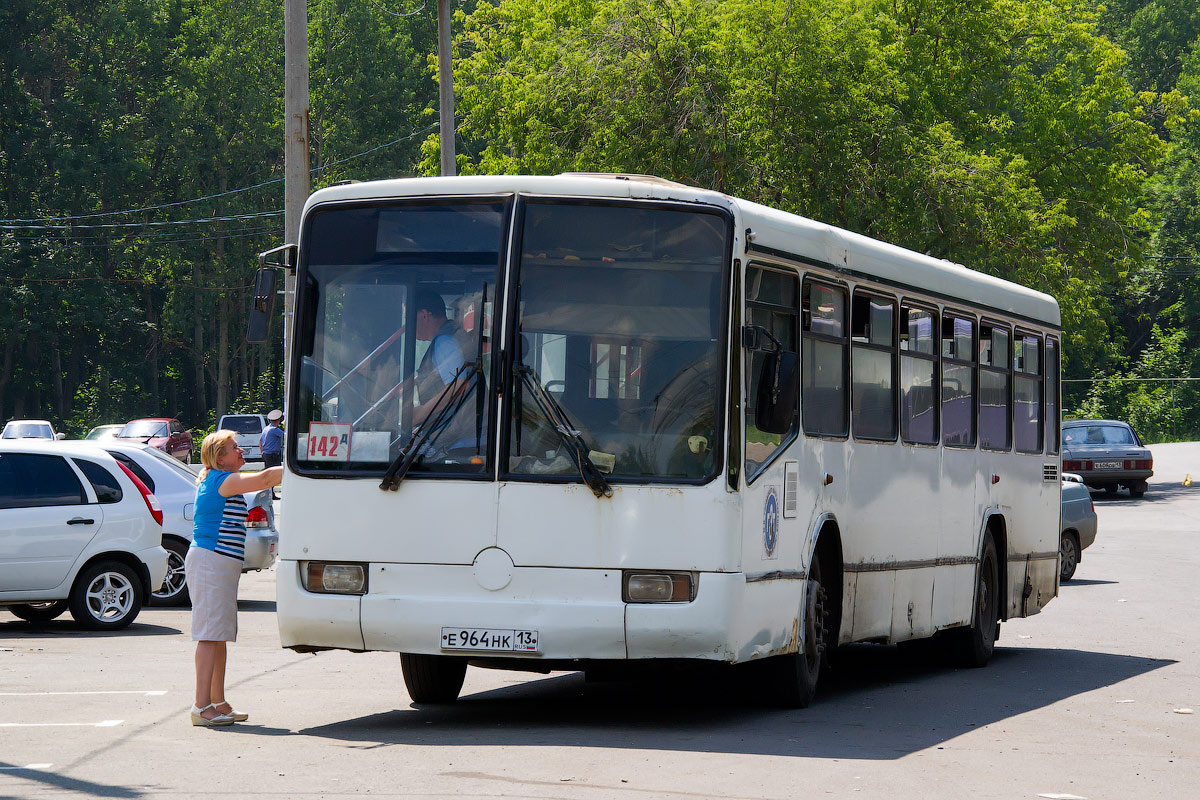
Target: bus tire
{"x":432,"y":679}
{"x":797,"y":674}
{"x":972,"y":647}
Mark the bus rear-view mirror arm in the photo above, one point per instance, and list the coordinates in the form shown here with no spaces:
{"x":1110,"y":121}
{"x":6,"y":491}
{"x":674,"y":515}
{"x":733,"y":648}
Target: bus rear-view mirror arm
{"x":262,"y":303}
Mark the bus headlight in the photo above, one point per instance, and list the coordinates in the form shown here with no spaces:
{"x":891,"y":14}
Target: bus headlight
{"x":320,"y":576}
{"x":658,"y":587}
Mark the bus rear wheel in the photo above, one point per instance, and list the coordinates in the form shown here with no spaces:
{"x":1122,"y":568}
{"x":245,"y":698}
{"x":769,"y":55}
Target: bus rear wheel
{"x":432,"y":679}
{"x":972,"y":647}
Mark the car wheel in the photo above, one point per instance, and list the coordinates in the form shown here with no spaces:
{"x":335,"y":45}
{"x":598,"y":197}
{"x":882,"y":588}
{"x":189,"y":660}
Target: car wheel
{"x":39,"y":612}
{"x":1068,"y":556}
{"x":972,"y":647}
{"x":174,"y":591}
{"x":433,"y":679}
{"x":1135,"y":492}
{"x":106,"y":597}
{"x":1110,"y":489}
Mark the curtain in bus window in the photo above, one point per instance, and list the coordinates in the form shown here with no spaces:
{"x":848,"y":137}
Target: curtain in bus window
{"x":918,"y":418}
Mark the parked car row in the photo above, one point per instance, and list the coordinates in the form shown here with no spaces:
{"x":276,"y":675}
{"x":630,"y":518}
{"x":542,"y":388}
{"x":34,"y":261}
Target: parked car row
{"x":163,"y":433}
{"x":98,"y":529}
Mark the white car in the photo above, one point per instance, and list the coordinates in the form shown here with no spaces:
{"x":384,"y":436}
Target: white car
{"x":29,"y":429}
{"x":247,"y":428}
{"x":175,"y":487}
{"x":77,"y":532}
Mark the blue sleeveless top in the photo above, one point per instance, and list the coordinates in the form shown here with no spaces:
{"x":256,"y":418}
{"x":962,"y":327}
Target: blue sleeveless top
{"x":219,"y":523}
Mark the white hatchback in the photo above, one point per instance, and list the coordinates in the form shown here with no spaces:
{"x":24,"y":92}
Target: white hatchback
{"x":247,"y":429}
{"x":77,"y":531}
{"x":175,"y":487}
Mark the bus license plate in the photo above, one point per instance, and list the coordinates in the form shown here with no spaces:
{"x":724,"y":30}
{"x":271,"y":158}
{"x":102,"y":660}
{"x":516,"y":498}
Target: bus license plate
{"x":490,"y":639}
{"x":1107,"y":464}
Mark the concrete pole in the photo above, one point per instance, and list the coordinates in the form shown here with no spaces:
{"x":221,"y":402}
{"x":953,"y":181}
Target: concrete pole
{"x":445,"y":89}
{"x":295,"y":151}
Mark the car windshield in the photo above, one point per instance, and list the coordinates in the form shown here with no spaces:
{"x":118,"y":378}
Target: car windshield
{"x":28,"y":430}
{"x":140,"y":428}
{"x":243,"y":424}
{"x":1098,"y":434}
{"x":104,"y":432}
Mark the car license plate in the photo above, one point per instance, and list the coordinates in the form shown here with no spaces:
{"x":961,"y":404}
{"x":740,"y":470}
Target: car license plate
{"x":1107,"y":464}
{"x":503,"y":640}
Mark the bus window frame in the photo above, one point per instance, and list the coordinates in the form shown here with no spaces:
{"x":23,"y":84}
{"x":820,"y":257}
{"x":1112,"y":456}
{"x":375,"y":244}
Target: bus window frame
{"x":993,"y":324}
{"x":843,"y":341}
{"x":511,"y":316}
{"x":790,"y":438}
{"x":511,"y":203}
{"x":893,"y":349}
{"x":1052,"y":445}
{"x":973,"y":363}
{"x":936,"y":314}
{"x":1040,"y":377}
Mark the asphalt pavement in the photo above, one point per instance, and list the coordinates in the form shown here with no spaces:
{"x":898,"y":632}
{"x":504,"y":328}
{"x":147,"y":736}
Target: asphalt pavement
{"x":1096,"y":697}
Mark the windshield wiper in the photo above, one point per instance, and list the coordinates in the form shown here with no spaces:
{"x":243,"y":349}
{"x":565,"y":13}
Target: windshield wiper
{"x":439,"y":417}
{"x":570,"y":435}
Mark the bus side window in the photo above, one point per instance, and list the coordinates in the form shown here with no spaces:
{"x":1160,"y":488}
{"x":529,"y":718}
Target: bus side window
{"x":918,"y":375}
{"x":995,"y":426}
{"x":771,"y":297}
{"x":823,"y":363}
{"x":1027,"y":386}
{"x":1053,"y":418}
{"x":873,"y":367}
{"x":958,"y":380}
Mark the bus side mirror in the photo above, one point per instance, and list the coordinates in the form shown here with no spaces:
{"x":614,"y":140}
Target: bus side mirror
{"x":258,"y":328}
{"x":778,"y":387}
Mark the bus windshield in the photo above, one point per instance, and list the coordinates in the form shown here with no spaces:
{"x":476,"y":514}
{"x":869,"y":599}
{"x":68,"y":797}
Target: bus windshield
{"x":397,"y":305}
{"x":620,"y":321}
{"x":616,"y":336}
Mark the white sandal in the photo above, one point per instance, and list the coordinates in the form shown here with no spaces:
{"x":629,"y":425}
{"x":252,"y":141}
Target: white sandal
{"x":218,"y":721}
{"x":237,"y":715}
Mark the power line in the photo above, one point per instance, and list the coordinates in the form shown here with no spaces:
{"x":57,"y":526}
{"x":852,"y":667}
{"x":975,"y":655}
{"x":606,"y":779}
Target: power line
{"x":204,"y":198}
{"x":194,"y":221}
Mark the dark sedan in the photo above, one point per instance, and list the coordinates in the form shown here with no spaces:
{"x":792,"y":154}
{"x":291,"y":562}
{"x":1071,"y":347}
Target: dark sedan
{"x":1107,"y":454}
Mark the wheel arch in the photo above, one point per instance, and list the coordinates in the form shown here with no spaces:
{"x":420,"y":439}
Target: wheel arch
{"x":826,"y":545}
{"x":128,"y":559}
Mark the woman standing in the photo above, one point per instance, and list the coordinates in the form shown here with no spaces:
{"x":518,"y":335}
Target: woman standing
{"x":214,"y":565}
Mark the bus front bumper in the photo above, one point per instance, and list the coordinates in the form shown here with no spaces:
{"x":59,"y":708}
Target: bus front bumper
{"x":577,"y":614}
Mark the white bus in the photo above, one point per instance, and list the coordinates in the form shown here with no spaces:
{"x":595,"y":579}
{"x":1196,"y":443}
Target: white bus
{"x":591,"y":421}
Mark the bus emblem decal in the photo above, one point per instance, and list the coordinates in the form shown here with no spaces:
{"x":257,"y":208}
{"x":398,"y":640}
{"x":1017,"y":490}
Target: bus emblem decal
{"x":770,"y":522}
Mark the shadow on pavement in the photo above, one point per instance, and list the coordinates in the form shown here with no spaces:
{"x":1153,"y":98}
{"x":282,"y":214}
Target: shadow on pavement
{"x":67,"y":784}
{"x":883,"y":703}
{"x":1157,"y":493}
{"x":65,"y":627}
{"x":1085,"y":582}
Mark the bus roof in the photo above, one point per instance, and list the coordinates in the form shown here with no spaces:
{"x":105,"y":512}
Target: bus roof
{"x":771,"y":232}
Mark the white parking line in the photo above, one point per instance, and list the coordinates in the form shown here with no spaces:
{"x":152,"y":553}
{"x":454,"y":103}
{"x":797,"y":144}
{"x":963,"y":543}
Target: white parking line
{"x":27,"y":766}
{"x":108,"y":723}
{"x":150,"y":693}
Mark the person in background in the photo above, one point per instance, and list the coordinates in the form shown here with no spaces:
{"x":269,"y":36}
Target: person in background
{"x":270,"y":441}
{"x":214,"y":565}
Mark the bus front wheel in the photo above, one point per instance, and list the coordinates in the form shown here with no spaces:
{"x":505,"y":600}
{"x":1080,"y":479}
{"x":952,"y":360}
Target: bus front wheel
{"x":432,"y":679}
{"x":797,"y":673}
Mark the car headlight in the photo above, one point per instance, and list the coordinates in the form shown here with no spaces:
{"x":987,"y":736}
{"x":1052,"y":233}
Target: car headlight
{"x":331,"y":578}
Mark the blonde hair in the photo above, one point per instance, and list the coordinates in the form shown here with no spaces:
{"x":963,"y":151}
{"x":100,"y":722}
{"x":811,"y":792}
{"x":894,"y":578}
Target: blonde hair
{"x":212,"y":448}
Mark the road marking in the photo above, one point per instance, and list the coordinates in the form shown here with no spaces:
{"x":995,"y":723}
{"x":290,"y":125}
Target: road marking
{"x":108,"y":723}
{"x":150,"y":693}
{"x":27,"y":766}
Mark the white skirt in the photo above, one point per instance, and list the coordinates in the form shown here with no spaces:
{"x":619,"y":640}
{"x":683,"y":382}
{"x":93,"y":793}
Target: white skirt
{"x":212,"y":581}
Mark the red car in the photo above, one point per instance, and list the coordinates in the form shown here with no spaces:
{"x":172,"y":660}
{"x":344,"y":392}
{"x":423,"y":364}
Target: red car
{"x":163,"y":433}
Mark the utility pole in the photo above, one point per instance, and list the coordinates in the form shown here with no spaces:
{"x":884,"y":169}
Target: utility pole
{"x":295,"y":151}
{"x":445,"y":89}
